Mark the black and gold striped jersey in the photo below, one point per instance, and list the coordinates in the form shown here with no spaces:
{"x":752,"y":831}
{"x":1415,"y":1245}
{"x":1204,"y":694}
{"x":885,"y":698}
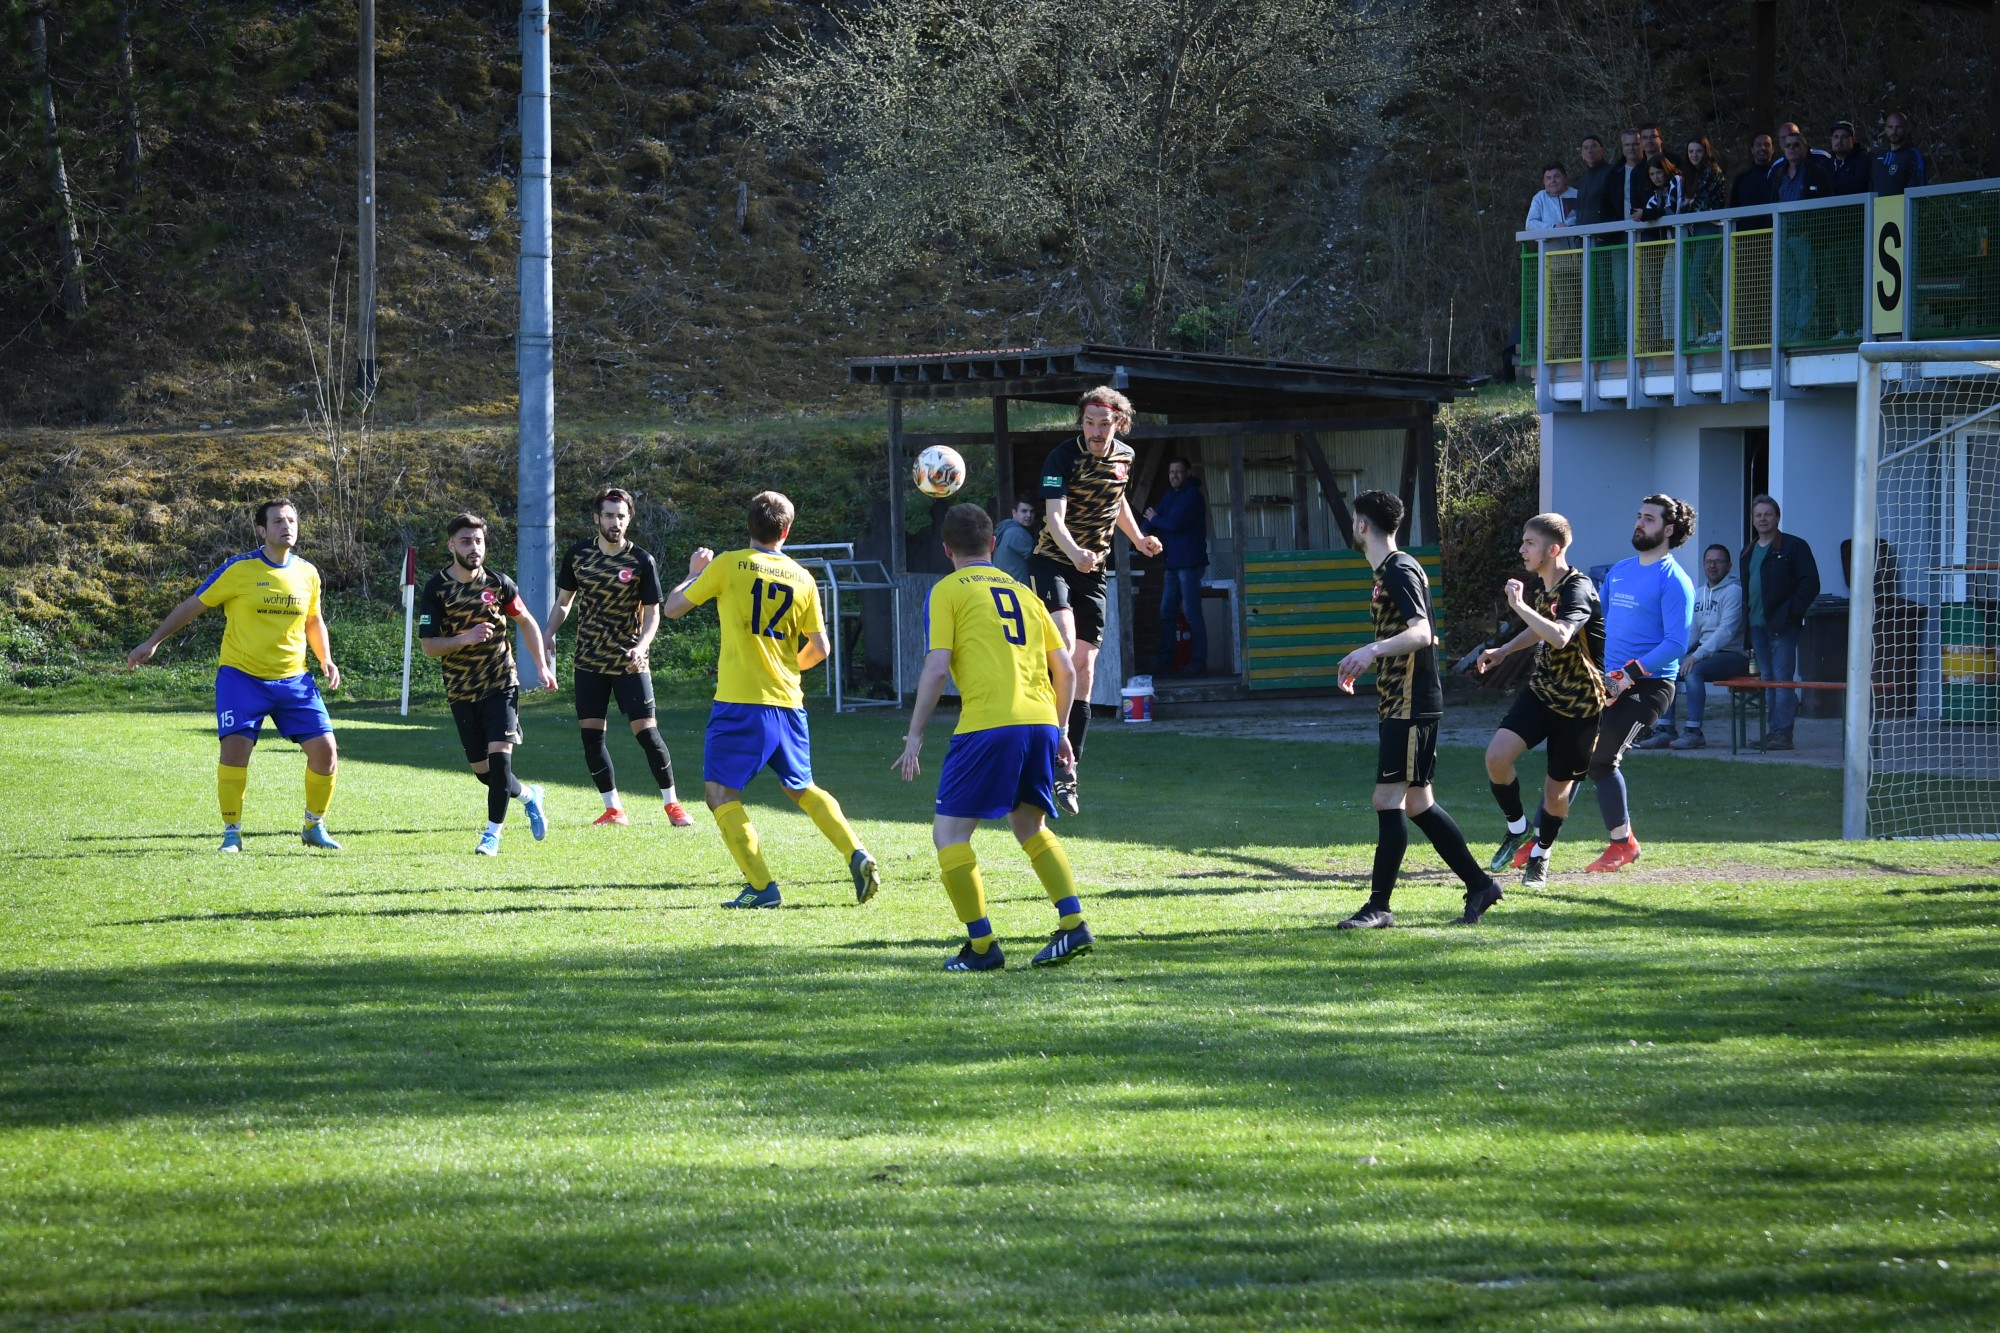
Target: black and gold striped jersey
{"x":449,"y":608}
{"x":1406,"y":685}
{"x":1091,"y":489}
{"x":611,"y":592}
{"x":1568,"y":679}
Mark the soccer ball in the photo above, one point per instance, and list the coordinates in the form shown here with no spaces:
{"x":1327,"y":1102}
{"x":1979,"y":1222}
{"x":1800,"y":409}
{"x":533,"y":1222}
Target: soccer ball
{"x":939,"y":471}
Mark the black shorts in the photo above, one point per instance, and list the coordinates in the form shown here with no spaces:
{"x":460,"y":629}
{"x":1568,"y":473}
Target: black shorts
{"x":490,"y":717}
{"x":1408,"y":752}
{"x":1570,"y":739}
{"x":1062,"y":586}
{"x":1630,"y":716}
{"x":595,"y":690}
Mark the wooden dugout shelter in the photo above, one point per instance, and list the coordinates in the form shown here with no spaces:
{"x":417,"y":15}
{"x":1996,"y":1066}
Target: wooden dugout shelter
{"x":1280,"y":445}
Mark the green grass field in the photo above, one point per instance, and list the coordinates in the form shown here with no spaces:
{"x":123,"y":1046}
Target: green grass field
{"x":1753,"y":1082}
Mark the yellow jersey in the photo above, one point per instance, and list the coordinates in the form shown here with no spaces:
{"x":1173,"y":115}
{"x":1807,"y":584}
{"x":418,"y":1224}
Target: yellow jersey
{"x":767,"y":604}
{"x":266,"y":606}
{"x":999,"y":636}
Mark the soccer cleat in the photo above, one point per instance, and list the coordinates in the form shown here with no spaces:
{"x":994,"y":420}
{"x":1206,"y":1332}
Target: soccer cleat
{"x":1370,"y":917}
{"x":1691,"y":739}
{"x":765,"y":897}
{"x":1527,"y":849}
{"x":613,"y":818}
{"x":315,"y":835}
{"x":867,"y":874}
{"x":1508,"y":846}
{"x":489,"y":845}
{"x":1621,"y":853}
{"x":232,"y":840}
{"x":1064,"y":945}
{"x":538,"y":820}
{"x":678,"y":817}
{"x":1065,"y":790}
{"x":1476,"y":903}
{"x":969,"y":959}
{"x":1536,"y":876}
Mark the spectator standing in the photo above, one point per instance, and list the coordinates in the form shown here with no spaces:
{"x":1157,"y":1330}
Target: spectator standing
{"x":1798,"y":175}
{"x":1848,"y":165}
{"x":1596,"y":186}
{"x":1898,"y":166}
{"x":1180,"y":519}
{"x":1780,"y":580}
{"x":1014,"y":541}
{"x":1555,"y":204}
{"x":1715,"y":650}
{"x":1704,"y":189}
{"x":1656,"y":263}
{"x":1752,"y":185}
{"x":1633,"y":186}
{"x":1652,"y":143}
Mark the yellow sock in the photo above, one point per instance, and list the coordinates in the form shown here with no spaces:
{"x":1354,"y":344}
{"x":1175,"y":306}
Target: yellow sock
{"x":826,"y":813}
{"x":740,"y":837}
{"x":230,"y":782}
{"x":319,"y":793}
{"x":1051,"y":865}
{"x":968,"y":891}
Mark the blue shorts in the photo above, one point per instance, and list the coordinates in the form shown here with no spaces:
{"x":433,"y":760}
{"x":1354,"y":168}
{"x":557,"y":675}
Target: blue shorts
{"x":242,"y":701}
{"x":989,"y":773}
{"x":744,"y":738}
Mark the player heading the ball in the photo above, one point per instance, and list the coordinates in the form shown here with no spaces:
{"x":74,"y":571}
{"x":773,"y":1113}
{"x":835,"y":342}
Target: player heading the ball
{"x":1015,"y":679}
{"x":768,"y":607}
{"x":1083,"y":492}
{"x":462,"y":621}
{"x":270,"y":603}
{"x":615,"y":588}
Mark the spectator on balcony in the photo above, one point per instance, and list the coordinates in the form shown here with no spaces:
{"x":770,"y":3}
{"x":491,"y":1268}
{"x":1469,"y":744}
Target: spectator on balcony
{"x":1780,"y":581}
{"x":1797,"y":176}
{"x":1849,"y":166}
{"x":1597,"y":186}
{"x":1752,"y":185}
{"x":1715,"y":651}
{"x":1652,"y":144}
{"x":1656,"y":262}
{"x":1898,"y":166}
{"x":1555,"y":204}
{"x":1704,"y":186}
{"x":1665,"y":200}
{"x":1633,"y":189}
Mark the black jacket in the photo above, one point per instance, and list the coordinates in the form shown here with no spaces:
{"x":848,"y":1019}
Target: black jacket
{"x":1814,"y":181}
{"x":1790,"y":578}
{"x":1597,"y":195}
{"x":1850,"y":174}
{"x":1751,"y":188}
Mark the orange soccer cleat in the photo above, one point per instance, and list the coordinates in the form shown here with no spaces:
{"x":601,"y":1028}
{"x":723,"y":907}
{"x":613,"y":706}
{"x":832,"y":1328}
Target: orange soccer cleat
{"x":1526,"y":850}
{"x":1621,"y":853}
{"x":678,"y":817}
{"x":611,"y":819}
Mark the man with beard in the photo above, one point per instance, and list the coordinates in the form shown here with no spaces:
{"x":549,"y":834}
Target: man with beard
{"x":1752,"y":185}
{"x":1648,"y":610}
{"x":462,"y":621}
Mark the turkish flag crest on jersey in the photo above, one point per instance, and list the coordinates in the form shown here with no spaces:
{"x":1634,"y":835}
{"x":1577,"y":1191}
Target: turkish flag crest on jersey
{"x":624,"y":576}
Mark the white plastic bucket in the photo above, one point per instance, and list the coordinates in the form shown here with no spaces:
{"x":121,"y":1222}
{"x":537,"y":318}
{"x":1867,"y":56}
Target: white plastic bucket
{"x":1135,"y":703}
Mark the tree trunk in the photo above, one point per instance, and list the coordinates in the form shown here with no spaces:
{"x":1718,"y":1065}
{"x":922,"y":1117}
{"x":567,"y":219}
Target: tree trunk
{"x":128,"y":94}
{"x":74,"y":303}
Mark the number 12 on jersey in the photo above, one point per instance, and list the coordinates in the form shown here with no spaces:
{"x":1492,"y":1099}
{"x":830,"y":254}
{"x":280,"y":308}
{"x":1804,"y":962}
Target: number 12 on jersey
{"x":780,"y":595}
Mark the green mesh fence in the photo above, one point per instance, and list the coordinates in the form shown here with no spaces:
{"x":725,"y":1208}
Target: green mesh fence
{"x":1820,"y":289}
{"x":1956,"y":287}
{"x":1701,"y":292}
{"x":1609,"y":302}
{"x":1750,"y":293}
{"x":1530,"y":308}
{"x":1653,"y":329}
{"x":1564,"y":276}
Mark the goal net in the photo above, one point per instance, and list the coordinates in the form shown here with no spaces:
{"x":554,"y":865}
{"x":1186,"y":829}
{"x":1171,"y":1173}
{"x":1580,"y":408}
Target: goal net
{"x":1923,"y":705}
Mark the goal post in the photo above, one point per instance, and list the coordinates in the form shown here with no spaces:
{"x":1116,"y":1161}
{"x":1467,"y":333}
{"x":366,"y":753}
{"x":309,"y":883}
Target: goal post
{"x":1922,"y":747}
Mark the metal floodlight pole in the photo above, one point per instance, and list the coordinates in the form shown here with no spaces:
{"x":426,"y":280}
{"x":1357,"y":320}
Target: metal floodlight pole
{"x":364,"y":332}
{"x":534,"y":353}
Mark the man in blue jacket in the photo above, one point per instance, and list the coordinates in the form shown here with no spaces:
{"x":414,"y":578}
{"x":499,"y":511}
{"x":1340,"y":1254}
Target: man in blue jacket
{"x":1780,"y":580}
{"x":1180,"y":519}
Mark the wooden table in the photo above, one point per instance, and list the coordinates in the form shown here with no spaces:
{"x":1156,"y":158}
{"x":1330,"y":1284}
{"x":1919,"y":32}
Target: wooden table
{"x":1742,"y":689}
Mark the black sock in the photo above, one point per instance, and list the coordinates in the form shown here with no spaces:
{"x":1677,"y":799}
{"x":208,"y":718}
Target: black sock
{"x":655,"y":746}
{"x":1508,"y":794}
{"x":1392,"y":839}
{"x":1079,"y":726}
{"x":1443,"y":832}
{"x":1548,"y":828}
{"x":597,"y":758}
{"x":501,"y":786}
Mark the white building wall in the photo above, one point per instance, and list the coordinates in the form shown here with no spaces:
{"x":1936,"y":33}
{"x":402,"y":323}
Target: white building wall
{"x":1812,"y":475}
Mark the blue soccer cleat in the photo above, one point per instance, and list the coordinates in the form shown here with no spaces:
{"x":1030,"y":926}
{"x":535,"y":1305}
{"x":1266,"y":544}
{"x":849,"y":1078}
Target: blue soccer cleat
{"x":232,"y":840}
{"x":315,"y":835}
{"x":1064,"y":945}
{"x":538,"y":820}
{"x":969,"y":959}
{"x":489,"y":845}
{"x":867,"y":875}
{"x":764,"y":897}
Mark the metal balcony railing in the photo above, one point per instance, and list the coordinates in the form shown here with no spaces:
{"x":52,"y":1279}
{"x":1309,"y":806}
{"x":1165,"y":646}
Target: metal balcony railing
{"x":1708,"y":307}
